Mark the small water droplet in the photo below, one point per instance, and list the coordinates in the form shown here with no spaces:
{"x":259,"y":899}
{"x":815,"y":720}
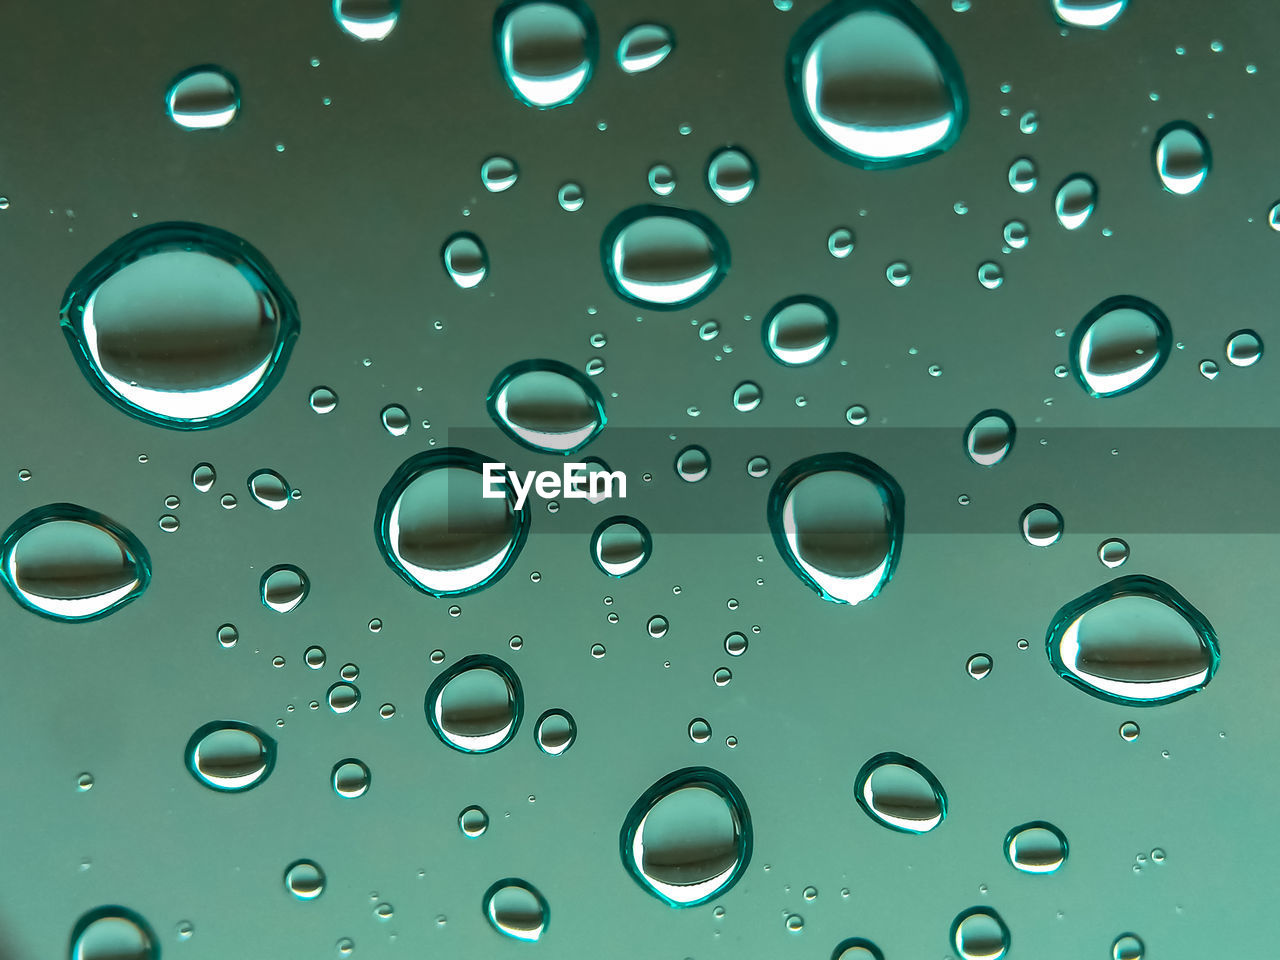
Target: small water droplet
{"x":1023,"y":175}
{"x":731,"y":175}
{"x":1181,"y":157}
{"x":465,"y":259}
{"x":571,"y":196}
{"x":283,"y":588}
{"x":230,"y":756}
{"x":1244,"y":348}
{"x":643,"y":47}
{"x":269,"y":489}
{"x":898,"y":273}
{"x":516,"y":909}
{"x":799,"y":330}
{"x":663,"y":257}
{"x":1041,"y":525}
{"x":203,"y":98}
{"x":499,"y":174}
{"x":980,"y":934}
{"x":840,"y":242}
{"x":1036,"y":847}
{"x":979,"y":665}
{"x":1113,"y":552}
{"x":350,"y":778}
{"x":1074,"y":201}
{"x":1128,"y":946}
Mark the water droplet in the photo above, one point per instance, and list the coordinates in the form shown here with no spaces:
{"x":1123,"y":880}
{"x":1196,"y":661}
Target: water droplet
{"x":570,"y":196}
{"x":990,"y":275}
{"x":979,"y":665}
{"x":758,"y":467}
{"x":304,"y":879}
{"x":799,"y":330}
{"x":113,"y":933}
{"x":473,"y":821}
{"x":230,"y":756}
{"x":384,"y":911}
{"x":395,"y":419}
{"x":856,"y":415}
{"x":688,"y":838}
{"x":1244,"y":348}
{"x":516,"y":909}
{"x":1208,"y":370}
{"x":979,"y":934}
{"x":1129,"y":731}
{"x":228,"y":635}
{"x":662,"y":179}
{"x":735,"y":644}
{"x":699,"y":730}
{"x":367,"y":19}
{"x":597,"y":650}
{"x":269,"y":489}
{"x":857,"y":948}
{"x":350,"y":778}
{"x":499,"y":173}
{"x":1094,"y":14}
{"x":547,"y":50}
{"x":709,"y":330}
{"x":1075,"y":199}
{"x":900,"y":793}
{"x":840,"y":243}
{"x":203,"y":98}
{"x":1029,"y":122}
{"x":1182,"y":158}
{"x":343,"y":697}
{"x":475,"y":706}
{"x":84,"y":782}
{"x":465,"y":259}
{"x":1127,"y":946}
{"x":837,"y":521}
{"x":1113,"y":552}
{"x":185,"y":930}
{"x":323,"y":400}
{"x":898,"y":273}
{"x":1016,"y":234}
{"x":620,"y":545}
{"x":1119,"y":345}
{"x":722,"y":677}
{"x":692,"y":464}
{"x":874,"y":84}
{"x":437,"y":530}
{"x":68,"y":563}
{"x":663,"y":257}
{"x":795,"y":923}
{"x":546,"y":406}
{"x":1022,"y":175}
{"x":1041,"y":525}
{"x":284,"y":587}
{"x":989,"y":437}
{"x":643,"y":47}
{"x":314,"y":657}
{"x":1036,"y":847}
{"x":555,"y":732}
{"x":747,"y":396}
{"x":731,"y":175}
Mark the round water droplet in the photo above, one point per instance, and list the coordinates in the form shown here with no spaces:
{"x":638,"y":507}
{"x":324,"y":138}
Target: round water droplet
{"x":180,"y":325}
{"x":731,"y":175}
{"x":113,"y":933}
{"x":597,"y":650}
{"x":546,"y":406}
{"x":874,"y":84}
{"x":367,"y":19}
{"x":570,"y":196}
{"x":709,"y":330}
{"x":663,"y":257}
{"x":350,"y":778}
{"x":699,"y":730}
{"x":304,"y":879}
{"x":662,"y":179}
{"x":1120,"y":345}
{"x":658,"y":626}
{"x":900,"y":793}
{"x":856,"y":415}
{"x":898,"y":273}
{"x":68,"y":563}
{"x":1022,"y":175}
{"x":343,"y":697}
{"x":1036,"y":847}
{"x":269,"y":489}
{"x":758,"y":467}
{"x":688,"y":838}
{"x":856,"y":948}
{"x":799,"y":330}
{"x":323,"y":400}
{"x":230,"y":756}
{"x":476,"y":704}
{"x":546,"y":50}
{"x":1113,"y":552}
{"x":1041,"y":525}
{"x":555,"y":732}
{"x":980,"y":934}
{"x":203,"y":98}
{"x":693,"y":463}
{"x":840,"y":243}
{"x":314,"y":657}
{"x":437,"y":530}
{"x":203,"y":477}
{"x":1128,"y":946}
{"x":1029,"y":122}
{"x":1075,"y":199}
{"x":84,"y":782}
{"x":1016,"y":234}
{"x":1133,"y":641}
{"x":837,"y":521}
{"x":621,"y":545}
{"x":395,"y":419}
{"x":747,"y":396}
{"x":643,"y":47}
{"x":284,"y":587}
{"x":990,"y":275}
{"x":979,"y":665}
{"x":1244,"y":348}
{"x":516,"y":909}
{"x":1094,"y":14}
{"x":465,"y":259}
{"x":499,"y":174}
{"x":1129,"y":731}
{"x":473,"y":822}
{"x":1181,"y":157}
{"x":989,"y":437}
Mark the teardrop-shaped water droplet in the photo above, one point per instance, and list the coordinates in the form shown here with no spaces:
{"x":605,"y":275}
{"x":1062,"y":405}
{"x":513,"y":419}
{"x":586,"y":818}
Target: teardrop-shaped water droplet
{"x":1120,"y":345}
{"x":873,"y":83}
{"x":979,"y":665}
{"x":1041,"y":525}
{"x":980,"y":934}
{"x":799,"y":330}
{"x":1128,"y":946}
{"x":621,"y":546}
{"x":350,"y":778}
{"x":692,"y":464}
{"x":1182,"y":158}
{"x":1036,"y":847}
{"x":284,"y":587}
{"x":499,"y":174}
{"x":516,"y":909}
{"x":304,"y":879}
{"x":643,"y":47}
{"x":1113,"y":552}
{"x":547,"y":50}
{"x":475,"y":705}
{"x":688,"y":838}
{"x":1244,"y":348}
{"x":438,"y":530}
{"x":269,"y":489}
{"x":856,"y":948}
{"x":1094,"y":14}
{"x":180,"y":325}
{"x":900,"y":793}
{"x":1075,"y":199}
{"x":555,"y":732}
{"x":731,"y":175}
{"x":203,"y":98}
{"x":395,"y":419}
{"x":663,"y":257}
{"x":68,"y":563}
{"x":546,"y":406}
{"x":473,"y":822}
{"x":837,"y":520}
{"x":367,"y":19}
{"x":989,"y":437}
{"x":1135,"y":641}
{"x":465,"y":260}
{"x":113,"y":933}
{"x":1209,"y":370}
{"x":230,"y":756}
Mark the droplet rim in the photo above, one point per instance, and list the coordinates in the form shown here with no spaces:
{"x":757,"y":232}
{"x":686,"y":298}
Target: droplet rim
{"x":827,"y":310}
{"x":721,"y":255}
{"x":1124,"y":301}
{"x":484,"y":662}
{"x":897,"y":759}
{"x":646,"y":540}
{"x":594,"y":397}
{"x":590,"y":47}
{"x":268,"y":753}
{"x":1036,"y":825}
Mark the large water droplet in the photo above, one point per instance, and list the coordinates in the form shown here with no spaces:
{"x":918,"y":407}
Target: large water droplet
{"x":475,"y":705}
{"x":269,"y":489}
{"x":837,"y":521}
{"x":203,"y":98}
{"x":1135,"y":641}
{"x":68,"y":563}
{"x":230,"y":756}
{"x":688,"y":838}
{"x":516,"y":909}
{"x":1182,"y":158}
{"x":663,"y":257}
{"x":1244,"y":348}
{"x":1036,"y":847}
{"x":731,"y":175}
{"x":367,"y":19}
{"x":1075,"y":199}
{"x":989,"y":437}
{"x":799,"y":330}
{"x":873,"y":83}
{"x":546,"y":406}
{"x":284,"y":587}
{"x":113,"y":933}
{"x":980,"y":934}
{"x":546,"y":50}
{"x":621,"y":546}
{"x":304,"y":879}
{"x":439,"y":532}
{"x":555,"y":732}
{"x":643,"y":47}
{"x":180,"y":325}
{"x":465,"y":259}
{"x":900,"y":793}
{"x":1120,"y":345}
{"x":1094,"y":14}
{"x":1041,"y":525}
